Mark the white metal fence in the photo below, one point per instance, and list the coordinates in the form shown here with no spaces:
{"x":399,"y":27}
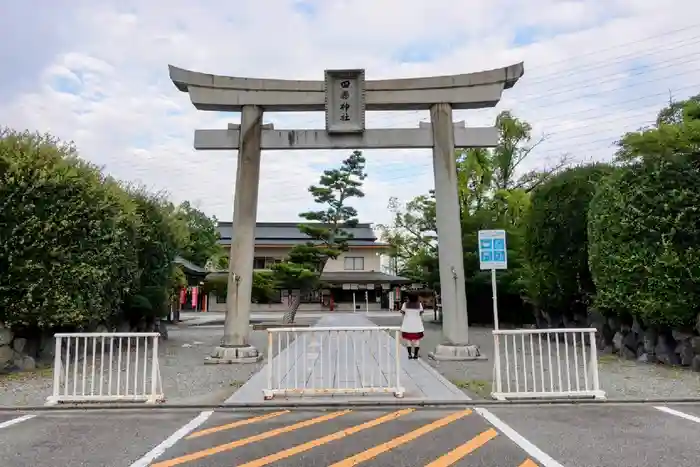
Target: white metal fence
{"x":333,"y":360}
{"x":106,"y":367}
{"x":546,"y":364}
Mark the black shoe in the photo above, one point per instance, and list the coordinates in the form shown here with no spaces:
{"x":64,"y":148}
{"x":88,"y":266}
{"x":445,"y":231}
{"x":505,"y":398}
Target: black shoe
{"x":410,"y":354}
{"x":415,"y":353}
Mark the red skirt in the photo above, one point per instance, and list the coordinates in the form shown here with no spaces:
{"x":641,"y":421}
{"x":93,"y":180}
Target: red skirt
{"x":412,"y":336}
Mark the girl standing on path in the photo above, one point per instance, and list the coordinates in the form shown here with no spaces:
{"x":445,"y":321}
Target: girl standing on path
{"x":412,"y":325}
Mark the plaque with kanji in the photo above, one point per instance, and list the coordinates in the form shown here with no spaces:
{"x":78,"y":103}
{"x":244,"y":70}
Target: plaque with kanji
{"x":345,"y":101}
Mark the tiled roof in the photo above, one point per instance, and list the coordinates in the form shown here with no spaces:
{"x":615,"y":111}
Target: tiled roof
{"x":287,"y":233}
{"x":189,"y":266}
{"x":359,"y":277}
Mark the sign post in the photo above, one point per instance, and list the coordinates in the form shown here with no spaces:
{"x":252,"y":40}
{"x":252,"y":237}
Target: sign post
{"x":493,"y":255}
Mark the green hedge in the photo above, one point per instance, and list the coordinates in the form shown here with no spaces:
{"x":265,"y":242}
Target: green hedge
{"x":66,"y":255}
{"x":556,"y":274}
{"x":78,"y":248}
{"x":160,"y":235}
{"x":644,"y":231}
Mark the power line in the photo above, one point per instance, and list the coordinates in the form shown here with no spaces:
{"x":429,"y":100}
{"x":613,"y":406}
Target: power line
{"x":618,"y":135}
{"x":608,"y":61}
{"x":579,"y":85}
{"x":558,"y":91}
{"x":593,"y":118}
{"x":560,"y":150}
{"x":598,"y":107}
{"x":623,"y":44}
{"x":407,"y":116}
{"x":540,"y":155}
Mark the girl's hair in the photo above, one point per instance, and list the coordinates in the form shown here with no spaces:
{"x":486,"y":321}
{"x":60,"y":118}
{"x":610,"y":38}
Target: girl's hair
{"x":412,"y":301}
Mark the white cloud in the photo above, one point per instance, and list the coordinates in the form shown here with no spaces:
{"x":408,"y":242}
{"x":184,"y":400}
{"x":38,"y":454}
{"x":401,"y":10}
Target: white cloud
{"x":594,"y":69}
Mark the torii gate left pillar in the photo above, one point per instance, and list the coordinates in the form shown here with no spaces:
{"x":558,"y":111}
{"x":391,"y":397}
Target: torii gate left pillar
{"x":235,"y":347}
{"x":344,"y":96}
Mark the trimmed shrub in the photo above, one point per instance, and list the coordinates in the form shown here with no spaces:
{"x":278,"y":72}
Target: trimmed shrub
{"x":644,"y":231}
{"x":556,"y":275}
{"x":67,"y":255}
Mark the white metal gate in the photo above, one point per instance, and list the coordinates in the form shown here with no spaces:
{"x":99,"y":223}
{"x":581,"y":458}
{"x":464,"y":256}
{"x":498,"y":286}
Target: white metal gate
{"x":106,"y":367}
{"x":334,"y":360}
{"x":546,"y":364}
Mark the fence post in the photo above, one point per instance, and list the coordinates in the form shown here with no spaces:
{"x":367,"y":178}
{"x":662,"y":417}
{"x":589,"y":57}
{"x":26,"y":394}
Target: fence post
{"x":268,"y":394}
{"x":397,"y":360}
{"x":57,"y":370}
{"x":497,"y":362}
{"x":594,"y":361}
{"x":155,"y":369}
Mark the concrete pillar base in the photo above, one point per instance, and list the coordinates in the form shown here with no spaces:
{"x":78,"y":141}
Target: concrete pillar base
{"x":451,"y":352}
{"x":244,"y":354}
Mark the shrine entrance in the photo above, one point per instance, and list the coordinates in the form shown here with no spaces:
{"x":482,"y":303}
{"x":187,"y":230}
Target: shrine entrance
{"x":345,"y":96}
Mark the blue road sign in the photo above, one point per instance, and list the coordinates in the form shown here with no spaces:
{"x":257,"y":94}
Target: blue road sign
{"x":492,"y":249}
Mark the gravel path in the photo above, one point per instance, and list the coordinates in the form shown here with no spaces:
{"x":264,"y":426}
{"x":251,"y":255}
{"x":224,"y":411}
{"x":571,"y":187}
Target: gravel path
{"x":185,"y":377}
{"x":620,"y":379}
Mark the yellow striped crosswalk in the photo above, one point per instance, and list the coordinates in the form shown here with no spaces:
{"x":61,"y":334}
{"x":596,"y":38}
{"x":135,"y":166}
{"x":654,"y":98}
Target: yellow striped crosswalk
{"x":359,"y":454}
{"x":403,"y":439}
{"x":326,"y":439}
{"x":460,"y":451}
{"x":236,"y":424}
{"x":251,"y":439}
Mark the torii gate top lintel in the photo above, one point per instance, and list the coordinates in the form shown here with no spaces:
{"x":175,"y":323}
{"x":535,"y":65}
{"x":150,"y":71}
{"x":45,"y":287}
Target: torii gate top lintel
{"x":228,"y":93}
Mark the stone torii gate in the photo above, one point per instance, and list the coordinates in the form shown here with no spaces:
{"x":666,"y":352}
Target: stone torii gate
{"x":344,"y":95}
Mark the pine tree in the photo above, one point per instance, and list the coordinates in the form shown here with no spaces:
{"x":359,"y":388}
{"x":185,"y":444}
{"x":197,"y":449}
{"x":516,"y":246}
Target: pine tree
{"x":327,"y":239}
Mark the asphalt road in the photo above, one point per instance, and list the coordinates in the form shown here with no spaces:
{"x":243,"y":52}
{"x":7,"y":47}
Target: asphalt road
{"x":547,"y":436}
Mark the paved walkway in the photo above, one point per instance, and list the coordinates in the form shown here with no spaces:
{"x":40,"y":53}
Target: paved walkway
{"x":421,"y":382}
{"x":198,"y":318}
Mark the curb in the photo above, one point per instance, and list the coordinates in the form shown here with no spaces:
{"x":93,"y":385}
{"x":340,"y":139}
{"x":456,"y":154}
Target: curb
{"x":233,"y":406}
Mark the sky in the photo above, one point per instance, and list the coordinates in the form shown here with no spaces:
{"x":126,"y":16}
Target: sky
{"x":96,"y":73}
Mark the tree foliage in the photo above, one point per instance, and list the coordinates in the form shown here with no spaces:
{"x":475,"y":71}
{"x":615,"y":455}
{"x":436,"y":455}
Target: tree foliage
{"x":644,"y":230}
{"x":302,"y":269}
{"x":644,"y":223}
{"x":203,"y":236}
{"x":677,"y":135}
{"x":67,"y":236}
{"x":493,"y":193}
{"x":262,"y":291}
{"x":557,"y":277}
{"x":160,"y":236}
{"x":411,"y":238}
{"x":622,"y":237}
{"x":78,"y":248}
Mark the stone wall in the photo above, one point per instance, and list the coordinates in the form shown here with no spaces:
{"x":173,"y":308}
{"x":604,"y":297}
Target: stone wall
{"x":633,"y":341}
{"x":20,"y":353}
{"x":26,"y":353}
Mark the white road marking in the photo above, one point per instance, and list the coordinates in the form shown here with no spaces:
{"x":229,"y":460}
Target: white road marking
{"x":15,"y":421}
{"x":536,"y":453}
{"x":158,"y":451}
{"x":678,"y":413}
{"x":540,"y":456}
{"x":533,"y":451}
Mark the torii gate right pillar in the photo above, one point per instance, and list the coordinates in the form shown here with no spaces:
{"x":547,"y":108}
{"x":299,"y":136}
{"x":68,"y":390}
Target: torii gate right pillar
{"x":455,"y":326}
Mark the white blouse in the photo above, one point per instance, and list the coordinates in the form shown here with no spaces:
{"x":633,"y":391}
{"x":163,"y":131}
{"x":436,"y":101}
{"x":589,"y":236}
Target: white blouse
{"x":412,"y":320}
